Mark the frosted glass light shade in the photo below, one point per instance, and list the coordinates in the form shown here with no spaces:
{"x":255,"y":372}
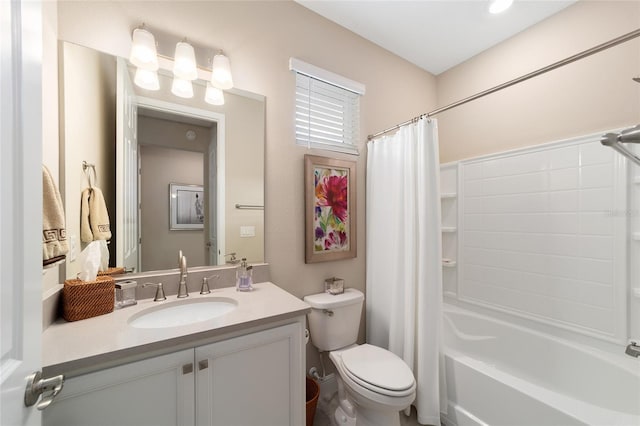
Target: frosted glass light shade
{"x":147,"y":79}
{"x":498,"y":6}
{"x":182,"y":88}
{"x":213,"y":95}
{"x":184,"y":65}
{"x":221,"y":72}
{"x":143,"y":50}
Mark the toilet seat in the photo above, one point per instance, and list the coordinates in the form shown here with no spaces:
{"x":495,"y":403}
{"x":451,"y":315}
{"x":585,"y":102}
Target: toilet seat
{"x":378,"y":370}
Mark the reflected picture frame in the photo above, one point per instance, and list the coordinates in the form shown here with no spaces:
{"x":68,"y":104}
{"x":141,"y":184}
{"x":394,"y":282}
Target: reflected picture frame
{"x":186,"y":207}
{"x":330,"y":209}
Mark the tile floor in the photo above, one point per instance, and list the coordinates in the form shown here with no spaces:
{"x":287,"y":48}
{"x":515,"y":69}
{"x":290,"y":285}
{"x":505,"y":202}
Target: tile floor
{"x":324,"y":415}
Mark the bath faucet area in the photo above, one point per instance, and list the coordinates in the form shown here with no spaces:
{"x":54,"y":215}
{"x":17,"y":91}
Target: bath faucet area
{"x":182,"y":287}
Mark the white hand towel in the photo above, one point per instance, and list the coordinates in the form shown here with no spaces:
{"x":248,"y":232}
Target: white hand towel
{"x":94,"y":218}
{"x":54,"y":234}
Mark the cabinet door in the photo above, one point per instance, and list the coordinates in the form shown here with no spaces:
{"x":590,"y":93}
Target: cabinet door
{"x":157,"y":391}
{"x":252,"y":380}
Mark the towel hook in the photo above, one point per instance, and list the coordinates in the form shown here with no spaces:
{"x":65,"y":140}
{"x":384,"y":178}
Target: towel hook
{"x":92,"y":168}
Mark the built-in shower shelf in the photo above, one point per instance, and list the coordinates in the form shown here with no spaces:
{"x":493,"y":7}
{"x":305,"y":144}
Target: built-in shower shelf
{"x":448,"y":263}
{"x":448,"y":195}
{"x":636,"y":292}
{"x":636,"y":179}
{"x":449,"y":229}
{"x":636,"y":236}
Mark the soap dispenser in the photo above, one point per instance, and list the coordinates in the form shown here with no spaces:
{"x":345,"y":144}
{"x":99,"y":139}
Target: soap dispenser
{"x":244,"y":280}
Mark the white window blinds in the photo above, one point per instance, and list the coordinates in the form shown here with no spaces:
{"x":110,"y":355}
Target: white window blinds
{"x":327,"y":116}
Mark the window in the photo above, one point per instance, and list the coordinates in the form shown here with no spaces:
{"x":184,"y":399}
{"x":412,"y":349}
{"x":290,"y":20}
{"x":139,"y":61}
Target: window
{"x":327,"y":114}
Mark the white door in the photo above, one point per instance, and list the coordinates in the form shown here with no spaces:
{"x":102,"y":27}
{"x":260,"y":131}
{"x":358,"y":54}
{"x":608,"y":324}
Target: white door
{"x":21,"y":206}
{"x":127,"y":172}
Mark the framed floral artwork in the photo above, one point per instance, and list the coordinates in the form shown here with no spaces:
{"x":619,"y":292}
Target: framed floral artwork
{"x":330,"y":201}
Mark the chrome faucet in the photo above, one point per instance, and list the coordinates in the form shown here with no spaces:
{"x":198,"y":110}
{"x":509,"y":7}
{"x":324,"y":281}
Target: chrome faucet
{"x":159,"y":291}
{"x":633,"y":349}
{"x":205,"y":284}
{"x":182,"y":287}
{"x":232,"y":260}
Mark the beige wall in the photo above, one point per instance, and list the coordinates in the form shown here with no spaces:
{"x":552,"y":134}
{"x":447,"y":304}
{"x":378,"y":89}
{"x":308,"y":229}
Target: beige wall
{"x":88,"y":134}
{"x":259,"y":38}
{"x":591,"y":95}
{"x":160,"y":246}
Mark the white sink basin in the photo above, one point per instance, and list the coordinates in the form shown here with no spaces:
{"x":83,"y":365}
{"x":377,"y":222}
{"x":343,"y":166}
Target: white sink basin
{"x":182,"y":312}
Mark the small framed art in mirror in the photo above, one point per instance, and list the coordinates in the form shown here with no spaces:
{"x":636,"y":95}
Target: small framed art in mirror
{"x":186,"y":207}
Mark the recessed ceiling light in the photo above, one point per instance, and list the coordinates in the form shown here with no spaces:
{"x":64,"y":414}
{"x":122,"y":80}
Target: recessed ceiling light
{"x":498,"y":6}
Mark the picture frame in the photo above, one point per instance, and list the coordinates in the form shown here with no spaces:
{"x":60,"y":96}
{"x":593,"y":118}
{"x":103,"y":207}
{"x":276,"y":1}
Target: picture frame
{"x":330,"y":209}
{"x":186,"y":207}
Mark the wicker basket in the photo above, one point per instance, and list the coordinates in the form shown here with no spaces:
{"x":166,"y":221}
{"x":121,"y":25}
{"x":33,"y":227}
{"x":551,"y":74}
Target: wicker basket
{"x":86,"y":299}
{"x":117,"y":270}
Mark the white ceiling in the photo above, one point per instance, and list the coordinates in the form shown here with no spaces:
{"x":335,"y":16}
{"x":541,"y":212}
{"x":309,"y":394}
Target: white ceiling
{"x":434,"y":34}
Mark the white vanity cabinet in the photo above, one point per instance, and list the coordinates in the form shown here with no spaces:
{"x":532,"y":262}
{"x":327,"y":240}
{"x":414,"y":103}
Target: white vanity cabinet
{"x":252,"y":380}
{"x":155,"y":391}
{"x":255,"y":379}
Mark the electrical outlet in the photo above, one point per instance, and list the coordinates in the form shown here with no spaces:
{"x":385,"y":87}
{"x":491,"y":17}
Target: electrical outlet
{"x":247,"y":231}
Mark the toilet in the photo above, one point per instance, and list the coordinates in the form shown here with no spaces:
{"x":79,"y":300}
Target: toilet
{"x":374,"y":385}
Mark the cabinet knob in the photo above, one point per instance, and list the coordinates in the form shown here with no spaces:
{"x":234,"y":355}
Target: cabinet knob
{"x":187,"y":368}
{"x":203,"y":364}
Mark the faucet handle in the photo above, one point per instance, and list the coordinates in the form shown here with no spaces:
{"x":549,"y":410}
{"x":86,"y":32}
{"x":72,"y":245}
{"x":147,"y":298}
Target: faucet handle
{"x":205,"y":284}
{"x":233,"y":260}
{"x":159,"y":291}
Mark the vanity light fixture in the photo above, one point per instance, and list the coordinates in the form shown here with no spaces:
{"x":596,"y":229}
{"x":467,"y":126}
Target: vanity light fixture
{"x":147,"y":79}
{"x":499,"y":6}
{"x":184,"y":63}
{"x":143,"y":50}
{"x":182,"y":88}
{"x":144,"y":55}
{"x":213,"y":95}
{"x":221,"y":72}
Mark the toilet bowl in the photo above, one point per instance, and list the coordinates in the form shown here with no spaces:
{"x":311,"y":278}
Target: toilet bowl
{"x":373,"y":383}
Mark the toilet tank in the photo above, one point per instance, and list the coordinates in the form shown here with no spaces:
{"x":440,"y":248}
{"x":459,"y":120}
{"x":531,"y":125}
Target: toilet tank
{"x":334,"y":320}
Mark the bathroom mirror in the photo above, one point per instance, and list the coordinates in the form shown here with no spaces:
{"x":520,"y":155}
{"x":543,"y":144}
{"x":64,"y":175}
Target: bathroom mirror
{"x":142,"y":145}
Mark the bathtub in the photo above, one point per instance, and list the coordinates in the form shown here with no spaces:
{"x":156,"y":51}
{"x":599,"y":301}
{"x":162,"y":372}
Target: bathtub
{"x":504,"y":374}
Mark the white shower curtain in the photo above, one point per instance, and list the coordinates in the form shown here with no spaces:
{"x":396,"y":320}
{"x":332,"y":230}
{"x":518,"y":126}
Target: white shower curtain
{"x":404,"y":257}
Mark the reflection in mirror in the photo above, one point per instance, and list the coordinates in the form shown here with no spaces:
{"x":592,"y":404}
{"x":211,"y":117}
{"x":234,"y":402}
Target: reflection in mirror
{"x":143,"y":141}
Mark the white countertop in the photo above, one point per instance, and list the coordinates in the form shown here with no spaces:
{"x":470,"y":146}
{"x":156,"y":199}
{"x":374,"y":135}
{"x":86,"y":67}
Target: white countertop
{"x":76,"y":347}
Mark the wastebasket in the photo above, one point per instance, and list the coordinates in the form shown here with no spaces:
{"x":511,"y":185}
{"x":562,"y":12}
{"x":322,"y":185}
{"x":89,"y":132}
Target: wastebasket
{"x":313,"y":391}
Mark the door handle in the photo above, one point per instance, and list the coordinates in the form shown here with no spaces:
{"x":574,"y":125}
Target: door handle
{"x":48,"y":388}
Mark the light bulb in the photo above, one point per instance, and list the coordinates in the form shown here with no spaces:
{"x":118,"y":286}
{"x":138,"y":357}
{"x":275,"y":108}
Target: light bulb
{"x":182,"y":88}
{"x":184,"y":65}
{"x":498,"y":6}
{"x":213,"y":95}
{"x":143,"y":50}
{"x":221,"y":72}
{"x":147,"y":79}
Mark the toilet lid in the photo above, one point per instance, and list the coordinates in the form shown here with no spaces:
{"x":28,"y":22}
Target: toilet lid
{"x":378,"y":367}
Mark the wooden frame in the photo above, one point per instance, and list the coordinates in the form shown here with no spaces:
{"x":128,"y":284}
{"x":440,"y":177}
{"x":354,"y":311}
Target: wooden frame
{"x":330,"y":209}
{"x":186,"y":207}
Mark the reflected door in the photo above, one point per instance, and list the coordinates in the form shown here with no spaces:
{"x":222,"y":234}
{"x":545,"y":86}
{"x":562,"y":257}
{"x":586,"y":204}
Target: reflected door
{"x":127,"y":173}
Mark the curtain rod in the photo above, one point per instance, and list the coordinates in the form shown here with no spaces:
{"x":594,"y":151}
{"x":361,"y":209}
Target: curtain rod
{"x":566,"y":61}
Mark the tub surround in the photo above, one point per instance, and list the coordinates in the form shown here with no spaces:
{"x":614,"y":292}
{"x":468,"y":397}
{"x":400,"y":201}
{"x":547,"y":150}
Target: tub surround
{"x":74,"y":348}
{"x":500,"y":373}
